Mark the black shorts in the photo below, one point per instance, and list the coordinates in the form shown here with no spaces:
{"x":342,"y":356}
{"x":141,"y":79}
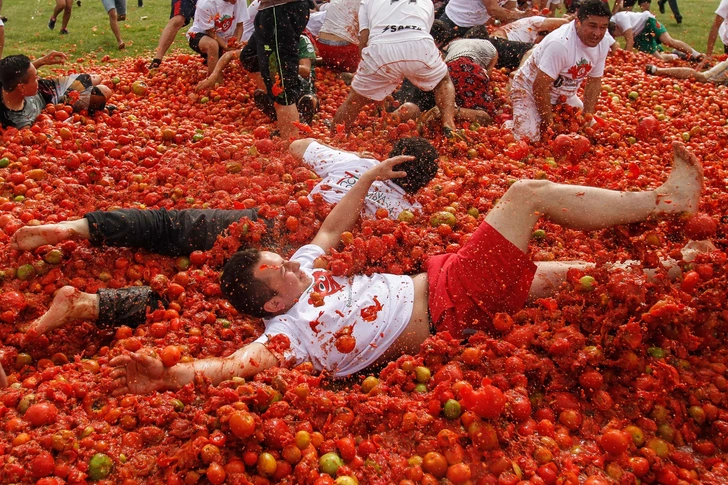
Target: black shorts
{"x":275,"y":43}
{"x":126,"y":306}
{"x":185,"y":8}
{"x":194,"y":42}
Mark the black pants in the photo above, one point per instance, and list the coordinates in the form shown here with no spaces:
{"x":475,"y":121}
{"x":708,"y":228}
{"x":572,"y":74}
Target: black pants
{"x":674,"y":8}
{"x":172,"y":233}
{"x":275,"y":44}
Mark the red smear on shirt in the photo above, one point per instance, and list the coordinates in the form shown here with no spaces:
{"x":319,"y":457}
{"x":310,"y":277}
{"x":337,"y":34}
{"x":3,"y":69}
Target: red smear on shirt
{"x":314,"y":324}
{"x":369,"y":314}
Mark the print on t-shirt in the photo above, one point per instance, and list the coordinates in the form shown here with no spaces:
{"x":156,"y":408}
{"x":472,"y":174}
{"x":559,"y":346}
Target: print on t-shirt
{"x":323,"y":286}
{"x":578,"y":72}
{"x":223,"y":23}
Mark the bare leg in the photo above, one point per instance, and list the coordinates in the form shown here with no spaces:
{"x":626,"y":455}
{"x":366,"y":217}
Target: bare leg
{"x":66,"y":14}
{"x":681,"y":73}
{"x":287,"y":116}
{"x":60,"y":6}
{"x":68,"y":305}
{"x":590,"y":208}
{"x":30,"y":237}
{"x":114,"y":24}
{"x":677,"y":44}
{"x":348,"y":111}
{"x":168,"y":35}
{"x":445,"y":100}
{"x":211,"y":49}
{"x":258,"y":80}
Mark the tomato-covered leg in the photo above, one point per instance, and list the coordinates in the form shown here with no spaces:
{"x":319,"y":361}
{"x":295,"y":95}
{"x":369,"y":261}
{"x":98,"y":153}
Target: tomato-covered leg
{"x":68,"y":305}
{"x":30,"y":237}
{"x":590,"y":208}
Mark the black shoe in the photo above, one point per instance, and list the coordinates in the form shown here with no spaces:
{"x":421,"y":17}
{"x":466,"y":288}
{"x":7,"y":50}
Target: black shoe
{"x":155,"y":63}
{"x":78,"y":2}
{"x":661,"y":5}
{"x":265,"y":104}
{"x":52,"y":23}
{"x":650,"y":69}
{"x":307,"y":107}
{"x":678,"y":20}
{"x":140,"y":3}
{"x":121,"y":18}
{"x":4,"y":19}
{"x":110,"y":108}
{"x":64,"y":32}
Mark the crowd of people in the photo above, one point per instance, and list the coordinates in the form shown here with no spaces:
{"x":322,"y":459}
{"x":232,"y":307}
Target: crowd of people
{"x":400,"y":55}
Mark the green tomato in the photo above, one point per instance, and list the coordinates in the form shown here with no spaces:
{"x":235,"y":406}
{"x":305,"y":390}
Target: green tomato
{"x":4,"y":162}
{"x":54,"y":256}
{"x":99,"y":467}
{"x":422,"y":374}
{"x":25,"y":272}
{"x":197,"y":137}
{"x":538,"y":234}
{"x":451,"y":409}
{"x":656,"y":352}
{"x":421,"y":388}
{"x":587,"y":283}
{"x":330,"y":463}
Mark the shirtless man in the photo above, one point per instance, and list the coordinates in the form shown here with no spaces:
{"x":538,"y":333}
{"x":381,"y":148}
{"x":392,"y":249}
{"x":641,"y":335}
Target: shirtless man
{"x":399,"y":311}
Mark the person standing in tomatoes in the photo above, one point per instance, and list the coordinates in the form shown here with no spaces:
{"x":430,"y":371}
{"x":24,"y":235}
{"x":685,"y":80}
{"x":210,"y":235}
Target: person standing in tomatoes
{"x":65,"y":6}
{"x":183,"y":11}
{"x":568,"y":56}
{"x":116,"y":10}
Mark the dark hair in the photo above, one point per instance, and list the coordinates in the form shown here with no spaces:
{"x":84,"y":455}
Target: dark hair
{"x":420,"y":170}
{"x":597,"y":8}
{"x":477,"y":32}
{"x":612,"y":28}
{"x":442,"y":33}
{"x":246,"y":293}
{"x":14,"y":71}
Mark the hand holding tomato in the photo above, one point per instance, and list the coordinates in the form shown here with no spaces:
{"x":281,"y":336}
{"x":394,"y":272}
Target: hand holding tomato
{"x":139,"y":372}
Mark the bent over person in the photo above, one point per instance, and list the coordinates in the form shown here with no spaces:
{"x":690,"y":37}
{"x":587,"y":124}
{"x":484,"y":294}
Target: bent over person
{"x":306,"y":309}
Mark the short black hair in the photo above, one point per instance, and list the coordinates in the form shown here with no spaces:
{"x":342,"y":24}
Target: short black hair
{"x":14,"y":71}
{"x":442,"y":33}
{"x":612,"y":28}
{"x":420,"y":170}
{"x":596,"y":8}
{"x":245,"y":292}
{"x":477,"y":32}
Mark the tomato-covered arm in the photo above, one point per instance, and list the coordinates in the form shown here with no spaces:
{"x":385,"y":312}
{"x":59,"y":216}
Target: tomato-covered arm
{"x":143,"y":372}
{"x":591,"y":93}
{"x":501,"y":13}
{"x":345,"y":214}
{"x":542,"y":95}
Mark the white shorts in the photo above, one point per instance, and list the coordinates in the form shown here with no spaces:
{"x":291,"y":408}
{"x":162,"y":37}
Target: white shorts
{"x":718,"y":74}
{"x":526,"y":122}
{"x":383,"y":67}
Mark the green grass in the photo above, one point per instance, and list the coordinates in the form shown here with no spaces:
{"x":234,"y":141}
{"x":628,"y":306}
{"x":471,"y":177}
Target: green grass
{"x":27,"y":31}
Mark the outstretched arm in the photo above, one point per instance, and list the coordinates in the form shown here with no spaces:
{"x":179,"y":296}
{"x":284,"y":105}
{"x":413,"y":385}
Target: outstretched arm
{"x":345,"y":214}
{"x":216,"y":74}
{"x":143,"y":372}
{"x":53,"y":57}
{"x":502,"y":14}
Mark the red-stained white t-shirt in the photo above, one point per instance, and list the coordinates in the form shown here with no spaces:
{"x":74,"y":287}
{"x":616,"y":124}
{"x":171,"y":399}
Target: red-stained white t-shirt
{"x":524,"y":30}
{"x":219,"y":15}
{"x":632,"y":20}
{"x":375,"y":310}
{"x":563,"y":57}
{"x":395,"y":21}
{"x":723,"y":12}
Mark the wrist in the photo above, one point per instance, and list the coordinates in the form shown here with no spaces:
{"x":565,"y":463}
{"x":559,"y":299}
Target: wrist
{"x":173,"y":377}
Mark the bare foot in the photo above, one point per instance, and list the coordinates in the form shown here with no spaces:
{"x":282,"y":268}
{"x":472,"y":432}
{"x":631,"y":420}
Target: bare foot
{"x":28,"y":238}
{"x":69,"y":304}
{"x":681,"y":191}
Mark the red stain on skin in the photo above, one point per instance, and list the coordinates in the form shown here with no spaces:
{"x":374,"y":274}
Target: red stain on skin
{"x":314,"y":324}
{"x":266,"y":266}
{"x":369,"y":314}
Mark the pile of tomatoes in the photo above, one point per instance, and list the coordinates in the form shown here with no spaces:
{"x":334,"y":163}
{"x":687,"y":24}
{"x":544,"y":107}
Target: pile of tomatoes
{"x":614,"y":379}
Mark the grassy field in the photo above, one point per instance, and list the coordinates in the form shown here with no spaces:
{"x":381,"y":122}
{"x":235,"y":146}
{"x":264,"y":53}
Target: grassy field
{"x":27,"y":30}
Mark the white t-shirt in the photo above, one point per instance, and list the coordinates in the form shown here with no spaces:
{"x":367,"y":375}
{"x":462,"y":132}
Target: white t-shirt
{"x":562,"y":56}
{"x":219,"y":15}
{"x":469,"y":13}
{"x":249,"y":24}
{"x":374,"y":309}
{"x":524,"y":30}
{"x":632,"y":20}
{"x":339,"y":172}
{"x":316,"y":21}
{"x":342,"y":20}
{"x":396,"y":21}
{"x":723,"y":12}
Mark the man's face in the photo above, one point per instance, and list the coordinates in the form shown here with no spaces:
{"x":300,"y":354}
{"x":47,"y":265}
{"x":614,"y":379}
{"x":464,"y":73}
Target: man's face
{"x":591,"y":30}
{"x":30,"y":87}
{"x":282,"y":276}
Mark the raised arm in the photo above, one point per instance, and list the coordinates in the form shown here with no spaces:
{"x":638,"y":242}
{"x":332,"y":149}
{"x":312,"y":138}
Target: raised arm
{"x":552,"y":24}
{"x":345,"y":214}
{"x":53,"y":57}
{"x":143,"y":372}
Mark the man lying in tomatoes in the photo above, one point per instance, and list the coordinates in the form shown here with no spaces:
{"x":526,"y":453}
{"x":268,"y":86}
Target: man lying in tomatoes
{"x":25,"y":95}
{"x":344,"y":325}
{"x":180,"y":232}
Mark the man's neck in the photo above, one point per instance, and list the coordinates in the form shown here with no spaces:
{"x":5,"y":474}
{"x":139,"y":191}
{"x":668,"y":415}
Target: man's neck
{"x":13,"y":100}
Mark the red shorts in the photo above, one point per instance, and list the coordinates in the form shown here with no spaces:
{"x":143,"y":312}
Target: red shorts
{"x":488,"y":275}
{"x":339,"y":57}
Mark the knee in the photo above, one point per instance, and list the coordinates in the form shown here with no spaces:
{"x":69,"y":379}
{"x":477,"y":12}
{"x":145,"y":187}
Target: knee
{"x":112,"y":14}
{"x":528,"y":190}
{"x":178,"y":21}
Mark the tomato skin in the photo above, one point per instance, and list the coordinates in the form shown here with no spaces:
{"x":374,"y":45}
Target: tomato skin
{"x":42,"y":465}
{"x":614,"y":441}
{"x":41,"y":414}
